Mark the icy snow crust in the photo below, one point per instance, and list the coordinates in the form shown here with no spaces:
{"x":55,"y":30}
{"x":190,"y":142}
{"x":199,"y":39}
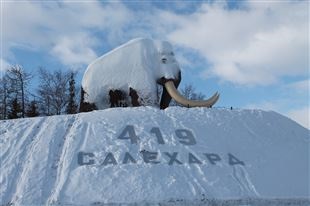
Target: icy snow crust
{"x":136,"y":64}
{"x":39,"y":158}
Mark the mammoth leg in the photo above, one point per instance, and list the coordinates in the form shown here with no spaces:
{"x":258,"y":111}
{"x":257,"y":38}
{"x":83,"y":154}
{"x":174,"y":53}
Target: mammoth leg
{"x":118,"y":98}
{"x":113,"y":98}
{"x":165,"y":97}
{"x":134,"y":97}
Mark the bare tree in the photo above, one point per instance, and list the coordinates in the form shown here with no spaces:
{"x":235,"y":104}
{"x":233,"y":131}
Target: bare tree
{"x":189,"y":92}
{"x":18,"y":81}
{"x":53,"y":91}
{"x":44,"y":92}
{"x":4,"y":97}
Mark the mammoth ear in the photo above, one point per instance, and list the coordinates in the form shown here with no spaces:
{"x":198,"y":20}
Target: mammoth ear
{"x":165,"y":97}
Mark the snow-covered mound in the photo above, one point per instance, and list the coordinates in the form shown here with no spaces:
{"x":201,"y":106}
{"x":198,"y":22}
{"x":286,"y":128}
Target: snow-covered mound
{"x":147,"y":155}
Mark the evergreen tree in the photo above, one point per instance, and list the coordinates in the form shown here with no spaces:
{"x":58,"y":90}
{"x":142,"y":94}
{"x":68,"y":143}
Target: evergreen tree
{"x":82,"y":100}
{"x":15,"y":110}
{"x":72,"y":106}
{"x":85,"y":106}
{"x":32,"y":110}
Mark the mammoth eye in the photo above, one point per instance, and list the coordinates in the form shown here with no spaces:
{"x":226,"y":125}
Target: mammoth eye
{"x":164,"y":60}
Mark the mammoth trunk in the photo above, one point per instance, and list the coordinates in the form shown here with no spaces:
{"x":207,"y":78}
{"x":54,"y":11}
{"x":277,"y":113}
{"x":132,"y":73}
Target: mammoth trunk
{"x":173,"y":92}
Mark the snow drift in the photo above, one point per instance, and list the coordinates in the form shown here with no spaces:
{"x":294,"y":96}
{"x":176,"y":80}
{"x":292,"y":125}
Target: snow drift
{"x":147,"y":155}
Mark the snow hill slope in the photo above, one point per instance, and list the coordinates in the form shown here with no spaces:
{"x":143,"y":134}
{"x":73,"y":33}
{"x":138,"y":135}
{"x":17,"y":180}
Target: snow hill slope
{"x":147,"y":155}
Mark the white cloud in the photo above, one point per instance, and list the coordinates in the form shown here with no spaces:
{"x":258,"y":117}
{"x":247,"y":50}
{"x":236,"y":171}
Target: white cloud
{"x":4,"y":65}
{"x":257,"y":45}
{"x":302,"y":86}
{"x":301,"y":116}
{"x":74,"y":50}
{"x":54,"y":26}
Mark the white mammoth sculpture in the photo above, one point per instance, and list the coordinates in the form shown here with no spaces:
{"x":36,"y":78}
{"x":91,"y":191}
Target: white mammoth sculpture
{"x":130,"y":74}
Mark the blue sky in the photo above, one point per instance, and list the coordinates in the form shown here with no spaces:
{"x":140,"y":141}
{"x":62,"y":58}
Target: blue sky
{"x":255,"y":53}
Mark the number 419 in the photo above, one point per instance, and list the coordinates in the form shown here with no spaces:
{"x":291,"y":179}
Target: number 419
{"x":185,"y":136}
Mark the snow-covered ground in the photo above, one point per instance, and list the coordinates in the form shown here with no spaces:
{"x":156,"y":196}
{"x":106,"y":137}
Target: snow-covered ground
{"x":144,"y":155}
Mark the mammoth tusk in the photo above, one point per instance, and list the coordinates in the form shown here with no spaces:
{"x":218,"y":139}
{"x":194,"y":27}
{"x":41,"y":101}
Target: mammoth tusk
{"x":173,"y":92}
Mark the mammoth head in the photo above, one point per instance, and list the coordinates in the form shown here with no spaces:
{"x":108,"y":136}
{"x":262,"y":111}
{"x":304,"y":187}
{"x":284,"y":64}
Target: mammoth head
{"x":170,"y":79}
